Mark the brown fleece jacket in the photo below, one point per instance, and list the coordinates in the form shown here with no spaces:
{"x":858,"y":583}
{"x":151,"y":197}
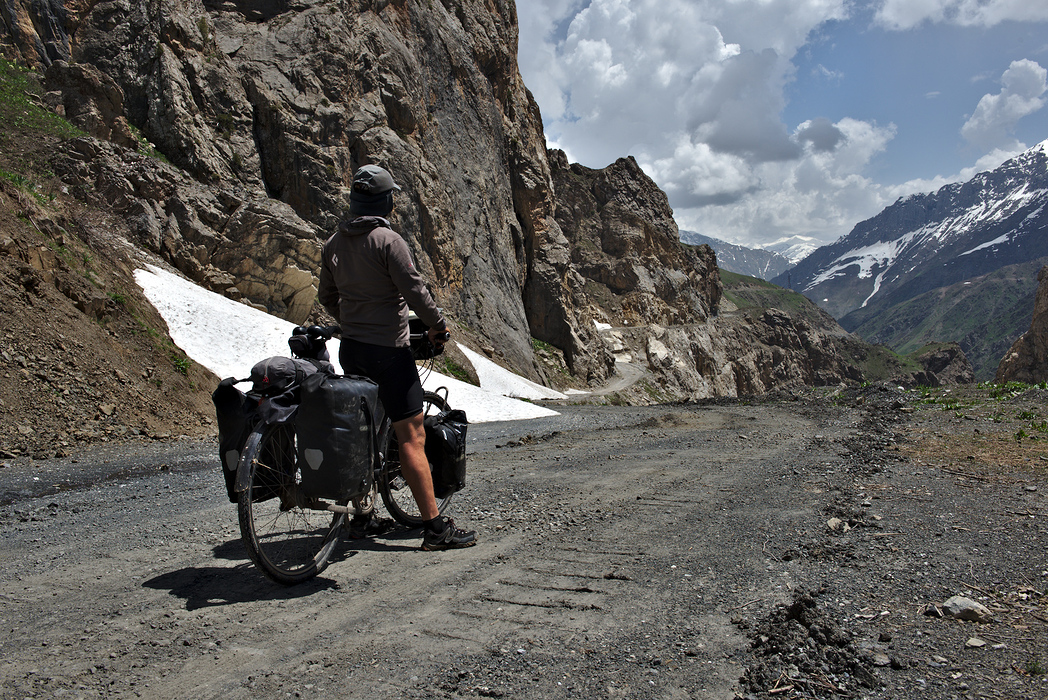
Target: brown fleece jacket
{"x":368,"y":281}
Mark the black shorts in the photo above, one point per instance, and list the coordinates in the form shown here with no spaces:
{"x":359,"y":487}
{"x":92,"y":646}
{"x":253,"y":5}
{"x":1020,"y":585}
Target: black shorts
{"x":393,"y":369}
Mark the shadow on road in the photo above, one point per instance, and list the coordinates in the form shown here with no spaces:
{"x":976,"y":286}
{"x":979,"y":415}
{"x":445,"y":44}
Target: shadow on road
{"x":211,"y":586}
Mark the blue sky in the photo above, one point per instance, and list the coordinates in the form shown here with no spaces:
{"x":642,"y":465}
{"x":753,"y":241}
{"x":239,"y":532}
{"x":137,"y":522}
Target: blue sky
{"x":765,"y":119}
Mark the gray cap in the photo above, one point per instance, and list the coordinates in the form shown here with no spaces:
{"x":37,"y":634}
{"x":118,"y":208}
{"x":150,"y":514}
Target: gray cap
{"x":372,"y":193}
{"x":373,"y":180}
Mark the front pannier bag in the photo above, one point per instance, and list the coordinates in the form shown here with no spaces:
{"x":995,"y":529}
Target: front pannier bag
{"x":335,"y":426}
{"x":446,"y":451}
{"x":237,"y":415}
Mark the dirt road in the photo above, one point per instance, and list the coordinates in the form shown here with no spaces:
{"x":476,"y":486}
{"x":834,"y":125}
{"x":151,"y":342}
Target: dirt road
{"x":624,"y":552}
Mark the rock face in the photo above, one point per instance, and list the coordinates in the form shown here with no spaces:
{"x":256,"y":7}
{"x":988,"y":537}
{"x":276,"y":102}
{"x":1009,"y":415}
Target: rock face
{"x":740,"y":356}
{"x":626,"y":247}
{"x":226,"y":238}
{"x":617,"y":260}
{"x":1027,"y":360}
{"x":287,"y":98}
{"x":91,"y":100}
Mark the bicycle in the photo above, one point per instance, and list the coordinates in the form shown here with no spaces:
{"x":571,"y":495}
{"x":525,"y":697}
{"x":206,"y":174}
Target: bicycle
{"x":289,"y":536}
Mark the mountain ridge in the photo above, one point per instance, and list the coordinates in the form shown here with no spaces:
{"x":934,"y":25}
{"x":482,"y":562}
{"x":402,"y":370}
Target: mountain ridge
{"x":754,"y":262}
{"x":929,"y":240}
{"x":931,"y":267}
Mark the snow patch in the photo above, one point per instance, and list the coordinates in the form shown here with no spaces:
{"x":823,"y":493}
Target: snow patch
{"x":228,"y":338}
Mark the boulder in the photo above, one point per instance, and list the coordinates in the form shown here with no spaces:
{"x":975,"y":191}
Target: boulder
{"x":944,"y":363}
{"x":963,"y":608}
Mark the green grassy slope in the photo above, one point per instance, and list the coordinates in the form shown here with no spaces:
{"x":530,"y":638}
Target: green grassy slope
{"x":983,"y":315}
{"x":750,"y":294}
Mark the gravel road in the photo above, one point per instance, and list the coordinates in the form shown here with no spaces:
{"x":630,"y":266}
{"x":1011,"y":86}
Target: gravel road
{"x":624,"y":553}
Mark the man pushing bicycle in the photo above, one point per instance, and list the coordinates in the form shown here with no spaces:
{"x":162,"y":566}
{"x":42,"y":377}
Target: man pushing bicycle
{"x":368,"y":282}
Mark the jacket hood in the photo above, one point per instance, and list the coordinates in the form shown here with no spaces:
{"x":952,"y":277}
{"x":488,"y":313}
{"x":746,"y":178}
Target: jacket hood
{"x":360,"y":225}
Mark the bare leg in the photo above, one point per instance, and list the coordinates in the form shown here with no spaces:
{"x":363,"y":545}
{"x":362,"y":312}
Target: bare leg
{"x":414,"y":466}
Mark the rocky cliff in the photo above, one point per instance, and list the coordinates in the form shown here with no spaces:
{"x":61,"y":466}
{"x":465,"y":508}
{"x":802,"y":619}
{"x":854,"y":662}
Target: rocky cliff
{"x":269,"y":106}
{"x":1027,"y":360}
{"x":225,"y":132}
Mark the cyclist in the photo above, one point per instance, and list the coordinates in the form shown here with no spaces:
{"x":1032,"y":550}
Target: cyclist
{"x":367,"y":282}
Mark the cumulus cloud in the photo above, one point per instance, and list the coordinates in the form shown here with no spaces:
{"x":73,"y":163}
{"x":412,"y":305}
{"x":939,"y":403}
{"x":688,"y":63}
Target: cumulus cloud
{"x":822,"y":193}
{"x":820,"y":133}
{"x":616,"y":77}
{"x":907,"y":14}
{"x":694,"y":90}
{"x":538,"y":22}
{"x":1023,"y":88}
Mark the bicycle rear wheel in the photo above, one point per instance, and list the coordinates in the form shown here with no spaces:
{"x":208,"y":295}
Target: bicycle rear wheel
{"x":396,"y":495}
{"x":287,"y":540}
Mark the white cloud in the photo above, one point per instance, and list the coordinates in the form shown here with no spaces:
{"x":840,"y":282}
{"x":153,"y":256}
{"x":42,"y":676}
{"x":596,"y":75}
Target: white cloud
{"x":694,"y":89}
{"x":822,"y":193}
{"x":988,"y":162}
{"x":622,"y":77}
{"x":907,"y":14}
{"x":694,"y":175}
{"x":538,"y":21}
{"x":827,"y":74}
{"x":1023,"y":88}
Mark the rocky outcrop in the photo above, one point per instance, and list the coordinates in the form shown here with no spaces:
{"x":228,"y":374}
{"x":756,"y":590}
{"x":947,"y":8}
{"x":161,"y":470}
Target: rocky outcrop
{"x":227,"y":238}
{"x":1027,"y":360}
{"x":39,"y":31}
{"x":626,"y":247}
{"x":737,"y":356}
{"x":287,"y":98}
{"x":943,"y":363}
{"x":618,"y":260}
{"x":90,"y":99}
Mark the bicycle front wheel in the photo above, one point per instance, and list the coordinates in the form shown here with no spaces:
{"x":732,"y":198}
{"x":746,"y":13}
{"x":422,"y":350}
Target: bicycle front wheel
{"x":289,"y":541}
{"x":396,"y":495}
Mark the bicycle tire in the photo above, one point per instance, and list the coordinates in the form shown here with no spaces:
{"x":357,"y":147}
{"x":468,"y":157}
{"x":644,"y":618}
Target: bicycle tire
{"x":289,"y":543}
{"x":396,"y":495}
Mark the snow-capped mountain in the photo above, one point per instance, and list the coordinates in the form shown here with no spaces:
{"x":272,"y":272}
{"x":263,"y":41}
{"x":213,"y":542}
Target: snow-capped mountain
{"x":794,"y":248}
{"x":927,"y":241}
{"x":754,"y":262}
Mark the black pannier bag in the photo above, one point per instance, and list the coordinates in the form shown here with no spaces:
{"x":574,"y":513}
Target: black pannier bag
{"x":335,"y":427}
{"x":446,"y":450}
{"x":237,"y":414}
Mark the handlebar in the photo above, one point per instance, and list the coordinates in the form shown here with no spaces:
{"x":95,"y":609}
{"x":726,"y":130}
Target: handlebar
{"x":442,"y":337}
{"x":325,"y":332}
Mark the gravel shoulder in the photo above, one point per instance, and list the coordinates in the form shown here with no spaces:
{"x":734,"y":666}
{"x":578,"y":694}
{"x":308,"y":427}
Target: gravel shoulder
{"x":782,"y":548}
